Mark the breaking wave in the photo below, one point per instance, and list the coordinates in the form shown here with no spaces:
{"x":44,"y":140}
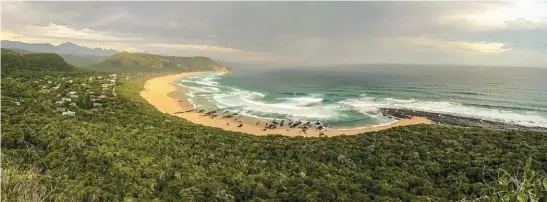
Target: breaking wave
{"x":205,"y":90}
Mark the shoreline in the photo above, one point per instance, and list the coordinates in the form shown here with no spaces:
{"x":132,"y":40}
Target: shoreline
{"x":159,"y":92}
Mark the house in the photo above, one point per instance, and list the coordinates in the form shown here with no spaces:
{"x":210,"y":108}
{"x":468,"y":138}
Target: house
{"x":105,"y":85}
{"x":49,"y":81}
{"x":102,"y":96}
{"x":43,"y":91}
{"x":72,"y":92}
{"x":69,"y":113}
{"x":74,"y":96}
{"x":90,"y":79}
{"x":61,"y":109}
{"x":60,"y":102}
{"x":112,"y":75}
{"x":17,"y":103}
{"x":112,"y":80}
{"x":55,"y":88}
{"x":94,"y":100}
{"x":97,"y":104}
{"x":99,"y":77}
{"x":66,"y":99}
{"x":73,"y":104}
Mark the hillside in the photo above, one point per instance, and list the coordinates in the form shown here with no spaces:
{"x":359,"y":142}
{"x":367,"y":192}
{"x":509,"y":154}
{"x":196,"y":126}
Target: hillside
{"x":141,"y":62}
{"x":117,"y":147}
{"x":12,"y":60}
{"x":76,"y":60}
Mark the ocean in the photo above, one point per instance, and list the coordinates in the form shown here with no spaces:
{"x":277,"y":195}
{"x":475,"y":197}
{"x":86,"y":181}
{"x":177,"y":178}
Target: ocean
{"x":349,"y":96}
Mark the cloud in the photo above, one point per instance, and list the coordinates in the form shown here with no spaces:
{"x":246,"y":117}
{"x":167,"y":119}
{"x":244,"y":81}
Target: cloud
{"x":479,"y":47}
{"x":199,"y":47}
{"x":295,"y":32}
{"x":63,"y":32}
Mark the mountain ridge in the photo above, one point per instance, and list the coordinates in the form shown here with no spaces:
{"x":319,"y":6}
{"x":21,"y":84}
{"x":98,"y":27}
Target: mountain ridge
{"x":64,"y":48}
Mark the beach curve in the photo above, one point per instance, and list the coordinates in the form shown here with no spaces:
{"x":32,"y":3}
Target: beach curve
{"x":158,"y":92}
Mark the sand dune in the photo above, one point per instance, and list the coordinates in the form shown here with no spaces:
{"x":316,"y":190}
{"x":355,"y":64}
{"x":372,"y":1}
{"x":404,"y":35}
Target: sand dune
{"x":159,"y":93}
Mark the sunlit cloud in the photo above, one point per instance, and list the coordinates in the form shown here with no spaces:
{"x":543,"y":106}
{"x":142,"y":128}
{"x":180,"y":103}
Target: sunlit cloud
{"x":194,"y":46}
{"x":528,"y":13}
{"x":479,"y":47}
{"x":60,"y":31}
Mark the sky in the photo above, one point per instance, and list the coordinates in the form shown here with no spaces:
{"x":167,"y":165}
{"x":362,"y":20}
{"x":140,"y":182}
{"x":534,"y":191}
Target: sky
{"x":295,"y":33}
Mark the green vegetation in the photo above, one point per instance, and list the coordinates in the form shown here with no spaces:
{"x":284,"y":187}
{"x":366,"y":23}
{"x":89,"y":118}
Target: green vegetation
{"x":12,"y":61}
{"x":81,"y":61}
{"x":140,"y":62}
{"x":124,"y":149}
{"x":75,"y":60}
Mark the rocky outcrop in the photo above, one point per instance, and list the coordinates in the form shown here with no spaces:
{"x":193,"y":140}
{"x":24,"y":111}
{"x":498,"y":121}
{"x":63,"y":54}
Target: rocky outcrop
{"x":219,"y":68}
{"x":450,"y":119}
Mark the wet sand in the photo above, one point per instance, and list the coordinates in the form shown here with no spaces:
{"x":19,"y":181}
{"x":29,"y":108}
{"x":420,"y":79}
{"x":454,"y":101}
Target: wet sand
{"x":161,"y":93}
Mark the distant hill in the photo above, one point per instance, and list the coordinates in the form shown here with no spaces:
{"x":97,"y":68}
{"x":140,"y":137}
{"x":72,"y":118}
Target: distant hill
{"x":76,"y":60}
{"x":141,"y":62}
{"x":12,"y":60}
{"x":82,"y":61}
{"x":64,"y":48}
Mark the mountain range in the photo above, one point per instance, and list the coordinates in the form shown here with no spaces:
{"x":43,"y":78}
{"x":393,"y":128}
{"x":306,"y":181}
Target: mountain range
{"x":64,"y":48}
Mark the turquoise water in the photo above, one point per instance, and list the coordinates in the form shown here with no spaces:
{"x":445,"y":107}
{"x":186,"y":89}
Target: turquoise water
{"x":350,"y":96}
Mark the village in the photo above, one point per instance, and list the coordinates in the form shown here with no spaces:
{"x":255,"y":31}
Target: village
{"x":71,"y":96}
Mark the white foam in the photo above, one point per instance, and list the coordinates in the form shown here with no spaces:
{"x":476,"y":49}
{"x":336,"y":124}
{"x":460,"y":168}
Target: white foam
{"x":368,"y":106}
{"x":303,"y":101}
{"x":251,"y":103}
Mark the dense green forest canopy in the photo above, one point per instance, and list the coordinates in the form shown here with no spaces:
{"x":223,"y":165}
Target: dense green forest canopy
{"x":118,"y":147}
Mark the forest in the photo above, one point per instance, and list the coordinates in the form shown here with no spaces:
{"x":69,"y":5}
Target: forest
{"x":119,"y":148}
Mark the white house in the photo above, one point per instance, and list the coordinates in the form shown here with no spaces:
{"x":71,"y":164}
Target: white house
{"x":43,"y":91}
{"x":66,"y":99}
{"x":102,"y":96}
{"x":73,"y":104}
{"x":97,"y":104}
{"x":18,"y":103}
{"x":72,"y":92}
{"x":74,"y":96}
{"x":60,"y":102}
{"x":69,"y":113}
{"x":61,"y":109}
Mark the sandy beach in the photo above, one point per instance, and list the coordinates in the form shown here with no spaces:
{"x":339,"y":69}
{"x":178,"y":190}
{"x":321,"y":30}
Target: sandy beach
{"x":158,"y":92}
